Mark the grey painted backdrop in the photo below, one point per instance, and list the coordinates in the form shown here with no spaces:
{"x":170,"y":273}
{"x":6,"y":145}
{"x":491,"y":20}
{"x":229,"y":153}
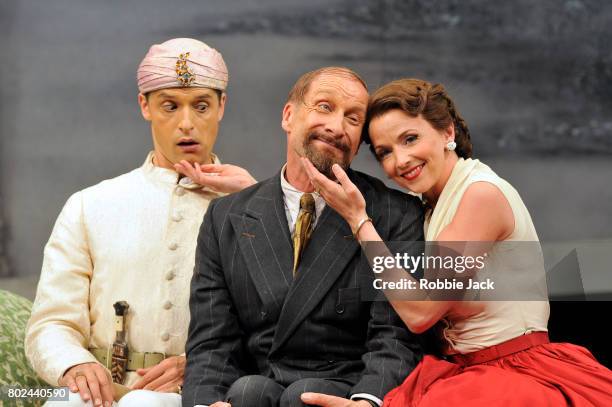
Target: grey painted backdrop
{"x":533,"y":80}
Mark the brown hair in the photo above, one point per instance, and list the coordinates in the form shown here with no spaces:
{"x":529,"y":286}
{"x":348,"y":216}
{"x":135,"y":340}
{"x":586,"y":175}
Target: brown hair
{"x":417,"y":97}
{"x":301,"y":86}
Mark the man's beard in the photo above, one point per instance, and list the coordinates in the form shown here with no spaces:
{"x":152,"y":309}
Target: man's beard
{"x":324,"y":161}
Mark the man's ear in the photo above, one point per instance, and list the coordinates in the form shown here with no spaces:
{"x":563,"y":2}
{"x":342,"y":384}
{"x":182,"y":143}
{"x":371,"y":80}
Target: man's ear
{"x":287,"y":116}
{"x":144,"y":107}
{"x":222,"y":101}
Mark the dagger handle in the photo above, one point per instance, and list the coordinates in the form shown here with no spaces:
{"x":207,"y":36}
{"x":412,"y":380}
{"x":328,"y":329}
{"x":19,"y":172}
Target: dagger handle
{"x":121,"y":308}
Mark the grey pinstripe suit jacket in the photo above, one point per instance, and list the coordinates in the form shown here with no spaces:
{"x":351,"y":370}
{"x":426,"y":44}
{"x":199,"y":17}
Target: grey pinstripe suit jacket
{"x":249,"y":316}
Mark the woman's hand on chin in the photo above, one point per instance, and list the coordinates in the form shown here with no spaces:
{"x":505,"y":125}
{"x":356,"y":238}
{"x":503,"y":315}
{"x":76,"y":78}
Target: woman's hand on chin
{"x":344,"y":197}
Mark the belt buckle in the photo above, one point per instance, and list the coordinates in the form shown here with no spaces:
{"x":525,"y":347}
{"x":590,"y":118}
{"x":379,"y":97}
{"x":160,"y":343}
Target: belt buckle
{"x":148,"y":356}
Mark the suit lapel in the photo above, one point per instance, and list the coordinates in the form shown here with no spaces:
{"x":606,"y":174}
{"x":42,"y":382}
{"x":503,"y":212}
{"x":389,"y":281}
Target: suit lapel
{"x":263,"y":238}
{"x":330,"y":248}
{"x":265,"y":242}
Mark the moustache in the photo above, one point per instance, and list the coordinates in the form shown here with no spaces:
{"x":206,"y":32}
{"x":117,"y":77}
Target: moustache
{"x":338,"y":143}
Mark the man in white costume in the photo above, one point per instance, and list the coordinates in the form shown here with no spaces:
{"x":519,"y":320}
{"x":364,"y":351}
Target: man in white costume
{"x":133,"y":239}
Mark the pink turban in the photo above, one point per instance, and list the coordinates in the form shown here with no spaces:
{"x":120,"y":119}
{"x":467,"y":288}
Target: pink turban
{"x":181,"y":62}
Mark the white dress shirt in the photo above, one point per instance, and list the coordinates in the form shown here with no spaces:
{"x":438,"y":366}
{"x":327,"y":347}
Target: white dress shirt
{"x":292,"y":196}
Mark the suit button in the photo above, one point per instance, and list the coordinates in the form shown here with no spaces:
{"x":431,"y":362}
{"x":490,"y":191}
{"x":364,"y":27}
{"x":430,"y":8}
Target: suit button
{"x":165,"y":337}
{"x":263,"y":314}
{"x":180,"y":191}
{"x":339,"y":309}
{"x":170,"y":275}
{"x":167,"y":305}
{"x":173,"y":246}
{"x":177,"y":217}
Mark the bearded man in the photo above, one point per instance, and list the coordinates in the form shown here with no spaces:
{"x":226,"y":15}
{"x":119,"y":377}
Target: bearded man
{"x":275,"y":302}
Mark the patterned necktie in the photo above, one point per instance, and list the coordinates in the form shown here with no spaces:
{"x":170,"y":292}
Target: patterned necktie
{"x":303,"y":228}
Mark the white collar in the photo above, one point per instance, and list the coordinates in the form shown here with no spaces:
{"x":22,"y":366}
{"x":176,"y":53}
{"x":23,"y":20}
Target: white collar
{"x":168,"y":176}
{"x":292,"y":195}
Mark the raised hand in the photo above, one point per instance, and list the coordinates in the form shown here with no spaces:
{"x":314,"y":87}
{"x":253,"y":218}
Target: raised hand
{"x":166,"y":376}
{"x":92,"y":381}
{"x":226,"y":178}
{"x":345,"y":198}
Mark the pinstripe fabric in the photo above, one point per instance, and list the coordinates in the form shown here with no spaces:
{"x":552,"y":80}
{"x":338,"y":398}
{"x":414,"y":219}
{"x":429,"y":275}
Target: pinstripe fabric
{"x":250,"y":317}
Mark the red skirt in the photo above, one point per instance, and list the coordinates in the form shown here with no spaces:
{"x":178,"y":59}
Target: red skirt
{"x":548,"y":374}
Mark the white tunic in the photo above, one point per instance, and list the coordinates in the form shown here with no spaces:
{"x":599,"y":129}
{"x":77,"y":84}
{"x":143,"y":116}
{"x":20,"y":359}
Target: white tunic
{"x":130,"y":238}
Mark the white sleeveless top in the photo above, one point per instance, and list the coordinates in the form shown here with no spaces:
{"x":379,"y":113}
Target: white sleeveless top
{"x":472,"y":326}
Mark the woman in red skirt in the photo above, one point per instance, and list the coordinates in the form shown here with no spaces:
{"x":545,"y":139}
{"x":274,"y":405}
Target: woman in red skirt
{"x":496,"y":352}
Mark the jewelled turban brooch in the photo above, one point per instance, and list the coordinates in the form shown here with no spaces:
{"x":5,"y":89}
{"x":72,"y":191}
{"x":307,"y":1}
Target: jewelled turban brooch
{"x":184,"y":74}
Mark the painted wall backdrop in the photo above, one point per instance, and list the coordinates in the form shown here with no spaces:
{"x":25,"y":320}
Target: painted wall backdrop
{"x":532,"y":79}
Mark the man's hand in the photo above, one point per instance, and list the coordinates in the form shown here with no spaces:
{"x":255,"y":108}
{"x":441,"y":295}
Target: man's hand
{"x":324,"y":400}
{"x":166,"y":376}
{"x":92,"y":381}
{"x":220,"y":404}
{"x":226,"y":178}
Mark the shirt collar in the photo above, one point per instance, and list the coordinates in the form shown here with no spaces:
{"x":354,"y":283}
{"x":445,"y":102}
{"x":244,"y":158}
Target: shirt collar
{"x":169,"y":176}
{"x":293,"y":195}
